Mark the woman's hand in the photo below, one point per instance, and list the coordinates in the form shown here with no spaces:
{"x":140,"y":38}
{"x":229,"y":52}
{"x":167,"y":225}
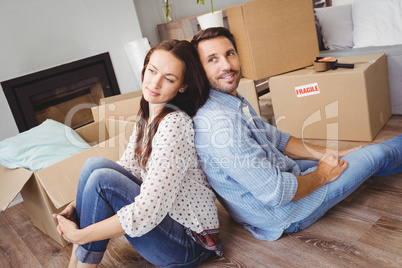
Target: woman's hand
{"x":69,"y":213}
{"x":68,"y":229}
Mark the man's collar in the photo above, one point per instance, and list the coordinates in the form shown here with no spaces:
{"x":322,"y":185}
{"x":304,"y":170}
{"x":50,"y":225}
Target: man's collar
{"x":227,"y":99}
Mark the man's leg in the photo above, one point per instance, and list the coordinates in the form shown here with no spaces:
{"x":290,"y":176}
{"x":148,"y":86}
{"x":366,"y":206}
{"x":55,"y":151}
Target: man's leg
{"x":374,"y":160}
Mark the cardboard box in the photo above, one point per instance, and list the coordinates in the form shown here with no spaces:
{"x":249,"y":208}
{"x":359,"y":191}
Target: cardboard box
{"x":49,"y":190}
{"x":122,"y":107}
{"x":247,"y":89}
{"x":120,"y":97}
{"x":274,"y":36}
{"x":342,"y":104}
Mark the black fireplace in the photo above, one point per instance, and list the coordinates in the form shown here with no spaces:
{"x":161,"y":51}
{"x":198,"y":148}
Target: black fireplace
{"x":56,"y":93}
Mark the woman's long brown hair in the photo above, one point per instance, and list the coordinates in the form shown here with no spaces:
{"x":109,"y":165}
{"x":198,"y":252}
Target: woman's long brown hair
{"x":195,"y":95}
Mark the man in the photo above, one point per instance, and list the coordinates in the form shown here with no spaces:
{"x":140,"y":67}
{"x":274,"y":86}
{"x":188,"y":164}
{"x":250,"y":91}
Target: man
{"x":263,"y":177}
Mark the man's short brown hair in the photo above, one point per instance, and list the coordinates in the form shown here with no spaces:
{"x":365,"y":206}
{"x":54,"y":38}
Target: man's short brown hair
{"x":211,"y":33}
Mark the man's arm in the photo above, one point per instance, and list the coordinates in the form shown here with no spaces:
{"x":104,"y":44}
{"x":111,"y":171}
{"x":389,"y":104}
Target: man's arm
{"x":297,"y":149}
{"x":329,"y":169}
{"x":330,"y":165}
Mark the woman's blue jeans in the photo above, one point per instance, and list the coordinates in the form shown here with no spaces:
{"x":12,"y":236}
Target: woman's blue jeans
{"x":378,"y":160}
{"x":104,"y":188}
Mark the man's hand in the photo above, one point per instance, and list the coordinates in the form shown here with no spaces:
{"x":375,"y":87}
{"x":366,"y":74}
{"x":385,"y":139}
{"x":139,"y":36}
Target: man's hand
{"x":331,"y":167}
{"x":328,"y":169}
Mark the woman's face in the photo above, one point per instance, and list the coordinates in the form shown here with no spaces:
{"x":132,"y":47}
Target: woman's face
{"x":163,"y":78}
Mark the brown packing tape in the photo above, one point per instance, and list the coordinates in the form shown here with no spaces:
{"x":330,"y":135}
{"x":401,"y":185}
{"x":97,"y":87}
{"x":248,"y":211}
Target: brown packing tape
{"x":322,"y":66}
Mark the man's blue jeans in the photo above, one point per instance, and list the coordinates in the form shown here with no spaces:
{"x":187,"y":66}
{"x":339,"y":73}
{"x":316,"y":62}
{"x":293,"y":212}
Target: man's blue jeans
{"x":381,"y":159}
{"x":104,"y":188}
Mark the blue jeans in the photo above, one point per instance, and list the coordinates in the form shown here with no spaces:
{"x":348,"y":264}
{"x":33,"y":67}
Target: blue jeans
{"x":378,"y":160}
{"x":104,"y":188}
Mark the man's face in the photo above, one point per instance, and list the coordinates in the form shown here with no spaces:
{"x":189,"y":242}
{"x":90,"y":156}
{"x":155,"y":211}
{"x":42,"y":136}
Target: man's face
{"x":221,"y":64}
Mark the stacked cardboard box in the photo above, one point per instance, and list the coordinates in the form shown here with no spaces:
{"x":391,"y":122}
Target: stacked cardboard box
{"x":341,"y":104}
{"x":274,"y":36}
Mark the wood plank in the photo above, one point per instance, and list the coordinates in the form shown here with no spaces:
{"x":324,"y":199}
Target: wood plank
{"x":388,"y":233}
{"x":13,"y":251}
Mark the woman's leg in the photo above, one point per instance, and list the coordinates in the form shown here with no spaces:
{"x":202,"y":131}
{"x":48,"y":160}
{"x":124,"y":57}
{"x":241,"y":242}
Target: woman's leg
{"x":73,"y":260}
{"x":169,"y":245}
{"x":381,"y":159}
{"x":104,"y":187}
{"x":92,"y":164}
{"x":105,"y":192}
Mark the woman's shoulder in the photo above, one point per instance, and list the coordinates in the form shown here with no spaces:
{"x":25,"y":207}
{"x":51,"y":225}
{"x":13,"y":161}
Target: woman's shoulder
{"x":177,"y":121}
{"x":177,"y":117}
{"x":173,"y":127}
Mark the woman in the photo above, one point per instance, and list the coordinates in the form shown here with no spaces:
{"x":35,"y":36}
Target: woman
{"x":157,"y":194}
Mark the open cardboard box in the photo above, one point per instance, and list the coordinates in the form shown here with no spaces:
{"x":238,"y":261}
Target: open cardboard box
{"x":49,"y":190}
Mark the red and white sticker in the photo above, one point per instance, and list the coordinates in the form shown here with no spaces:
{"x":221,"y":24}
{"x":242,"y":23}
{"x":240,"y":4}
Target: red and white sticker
{"x":307,"y":90}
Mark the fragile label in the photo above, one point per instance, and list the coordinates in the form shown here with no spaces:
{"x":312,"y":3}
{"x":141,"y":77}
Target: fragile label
{"x":307,"y":90}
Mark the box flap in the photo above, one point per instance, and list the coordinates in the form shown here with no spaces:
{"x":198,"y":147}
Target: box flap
{"x":94,"y":133}
{"x":11,"y":183}
{"x":60,"y":180}
{"x":125,"y":110}
{"x":121,"y":97}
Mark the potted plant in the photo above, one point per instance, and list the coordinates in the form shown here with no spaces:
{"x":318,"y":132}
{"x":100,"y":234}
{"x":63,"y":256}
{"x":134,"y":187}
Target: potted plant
{"x":213,"y":19}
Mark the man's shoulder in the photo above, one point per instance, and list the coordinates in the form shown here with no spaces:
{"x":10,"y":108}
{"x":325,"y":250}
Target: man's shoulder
{"x":218,"y":101}
{"x":212,"y":106}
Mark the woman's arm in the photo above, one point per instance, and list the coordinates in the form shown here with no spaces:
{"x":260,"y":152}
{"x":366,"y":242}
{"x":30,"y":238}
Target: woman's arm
{"x":105,"y":229}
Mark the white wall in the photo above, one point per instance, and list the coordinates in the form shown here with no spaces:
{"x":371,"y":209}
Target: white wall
{"x":40,"y":34}
{"x":149,"y":13}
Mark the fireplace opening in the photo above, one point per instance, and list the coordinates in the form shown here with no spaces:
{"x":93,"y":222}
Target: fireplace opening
{"x":64,"y":93}
{"x":58,"y":104}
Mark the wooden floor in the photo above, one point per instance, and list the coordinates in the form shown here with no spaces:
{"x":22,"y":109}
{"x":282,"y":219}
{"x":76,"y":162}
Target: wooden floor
{"x":364,"y":230}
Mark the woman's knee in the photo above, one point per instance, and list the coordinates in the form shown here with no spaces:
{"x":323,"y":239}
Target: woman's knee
{"x":96,"y":162}
{"x":99,"y":178}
